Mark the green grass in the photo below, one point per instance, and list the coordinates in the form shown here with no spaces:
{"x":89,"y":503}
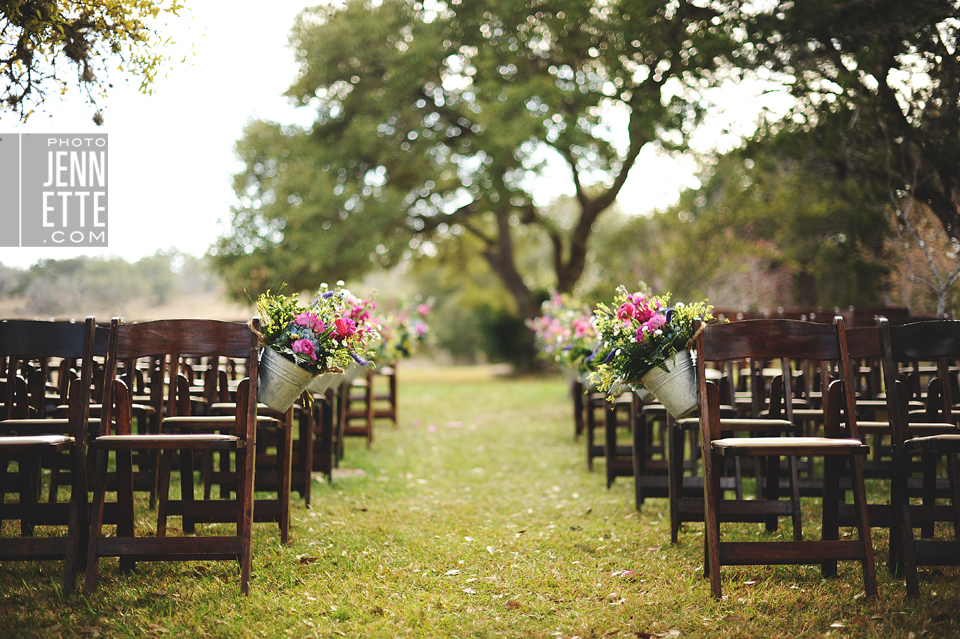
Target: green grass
{"x":476,"y":517}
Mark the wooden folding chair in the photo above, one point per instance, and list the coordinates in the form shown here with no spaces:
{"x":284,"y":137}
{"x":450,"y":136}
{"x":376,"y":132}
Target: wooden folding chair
{"x":784,"y":340}
{"x":937,"y":340}
{"x":163,"y":339}
{"x":28,"y":440}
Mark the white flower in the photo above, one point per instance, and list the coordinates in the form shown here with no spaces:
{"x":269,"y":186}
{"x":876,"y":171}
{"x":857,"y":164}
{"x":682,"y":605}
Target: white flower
{"x":658,"y":332}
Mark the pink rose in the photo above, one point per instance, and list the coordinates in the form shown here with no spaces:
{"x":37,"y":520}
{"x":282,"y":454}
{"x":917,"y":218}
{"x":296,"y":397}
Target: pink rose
{"x":345,"y":328}
{"x":626,"y":311}
{"x":655,"y":322}
{"x":305,"y":347}
{"x":423,"y":310}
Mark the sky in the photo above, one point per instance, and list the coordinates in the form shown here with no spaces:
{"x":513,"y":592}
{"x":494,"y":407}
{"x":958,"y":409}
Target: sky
{"x":171,"y":154}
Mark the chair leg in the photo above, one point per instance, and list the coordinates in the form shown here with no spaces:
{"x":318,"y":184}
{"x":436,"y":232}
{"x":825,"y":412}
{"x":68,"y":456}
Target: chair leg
{"x":929,"y":464}
{"x":831,"y":509}
{"x":78,"y":522}
{"x":370,"y":407}
{"x":953,"y":473}
{"x":245,"y":460}
{"x":186,"y":488}
{"x":576,"y":389}
{"x":284,"y":454}
{"x":795,"y":499}
{"x":675,"y":443}
{"x":308,"y":427}
{"x":712,"y":521}
{"x":163,"y":490}
{"x":863,"y":529}
{"x":772,"y":490}
{"x":125,"y":520}
{"x":28,"y":491}
{"x":96,"y":523}
{"x":638,"y":460}
{"x":610,"y":442}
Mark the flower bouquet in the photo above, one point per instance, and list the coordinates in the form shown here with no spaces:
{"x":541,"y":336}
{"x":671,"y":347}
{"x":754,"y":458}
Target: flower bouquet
{"x":402,"y":333}
{"x":565,"y":334}
{"x":300,"y":343}
{"x":646,"y":340}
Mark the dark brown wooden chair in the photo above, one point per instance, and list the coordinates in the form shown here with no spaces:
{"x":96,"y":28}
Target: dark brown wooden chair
{"x":385,"y":400}
{"x":621,"y":414}
{"x":28,"y":440}
{"x":169,"y":339}
{"x":356,"y":408}
{"x":784,"y":340}
{"x":939,"y":341}
{"x":593,"y":403}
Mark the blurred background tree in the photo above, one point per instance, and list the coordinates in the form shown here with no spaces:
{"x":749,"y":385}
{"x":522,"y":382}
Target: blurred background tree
{"x":433,"y":126}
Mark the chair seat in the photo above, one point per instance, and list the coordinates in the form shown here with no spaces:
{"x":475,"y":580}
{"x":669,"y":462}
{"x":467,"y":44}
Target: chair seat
{"x":176,"y":442}
{"x":944,"y":443}
{"x":19,"y":444}
{"x":216,"y":421}
{"x":789,"y":446}
{"x":34,"y":424}
{"x":756,"y":424}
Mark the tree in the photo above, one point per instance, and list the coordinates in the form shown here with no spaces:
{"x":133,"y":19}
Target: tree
{"x":776,"y":225}
{"x":38,"y":36}
{"x":432,"y":125}
{"x":877,"y":82}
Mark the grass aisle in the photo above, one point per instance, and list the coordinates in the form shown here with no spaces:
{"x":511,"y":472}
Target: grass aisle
{"x":475,"y":518}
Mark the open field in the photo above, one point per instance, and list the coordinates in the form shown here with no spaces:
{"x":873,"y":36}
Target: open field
{"x":476,"y":517}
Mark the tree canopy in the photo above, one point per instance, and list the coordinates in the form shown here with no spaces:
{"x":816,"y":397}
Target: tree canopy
{"x":432,"y":126}
{"x":877,"y":83}
{"x":41,"y":39}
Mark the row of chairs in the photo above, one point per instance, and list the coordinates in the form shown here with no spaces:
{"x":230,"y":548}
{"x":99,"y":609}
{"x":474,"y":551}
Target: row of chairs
{"x":150,"y":434}
{"x":703,"y":476}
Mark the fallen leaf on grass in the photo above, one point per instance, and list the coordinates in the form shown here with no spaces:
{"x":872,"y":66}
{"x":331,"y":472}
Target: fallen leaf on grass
{"x":362,"y":509}
{"x":452,"y":572}
{"x":469,"y":591}
{"x":308,"y":560}
{"x":512,"y":605}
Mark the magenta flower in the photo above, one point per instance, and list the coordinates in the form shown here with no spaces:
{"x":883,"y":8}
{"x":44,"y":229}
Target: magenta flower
{"x":345,"y":328}
{"x":423,"y":310}
{"x":626,"y":311}
{"x":305,"y":347}
{"x":655,"y":322}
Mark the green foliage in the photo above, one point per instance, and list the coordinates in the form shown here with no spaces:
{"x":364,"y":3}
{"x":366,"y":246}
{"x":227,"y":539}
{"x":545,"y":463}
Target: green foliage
{"x":878,"y":84}
{"x":774,"y":224}
{"x":40,"y":38}
{"x":431,"y":125}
